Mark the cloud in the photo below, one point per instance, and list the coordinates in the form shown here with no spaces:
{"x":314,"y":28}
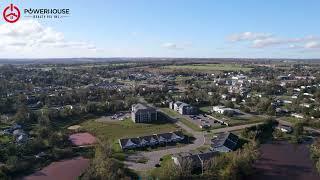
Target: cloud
{"x":312,"y":45}
{"x":248,"y":36}
{"x":263,"y":40}
{"x":260,"y":43}
{"x":174,"y":46}
{"x":29,"y":37}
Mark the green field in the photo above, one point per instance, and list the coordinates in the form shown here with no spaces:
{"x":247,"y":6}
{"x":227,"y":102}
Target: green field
{"x":206,"y":109}
{"x":210,"y":67}
{"x":124,"y":129}
{"x":238,"y":120}
{"x":292,"y":120}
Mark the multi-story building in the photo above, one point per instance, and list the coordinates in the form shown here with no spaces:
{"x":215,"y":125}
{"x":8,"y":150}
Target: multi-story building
{"x":143,"y":114}
{"x":182,"y":108}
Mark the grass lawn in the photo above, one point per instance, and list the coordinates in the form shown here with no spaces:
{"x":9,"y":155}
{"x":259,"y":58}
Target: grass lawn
{"x":124,"y":129}
{"x":206,"y":109}
{"x":210,"y":67}
{"x":181,"y":118}
{"x":161,"y":171}
{"x":292,"y":120}
{"x":5,"y":139}
{"x":238,"y":120}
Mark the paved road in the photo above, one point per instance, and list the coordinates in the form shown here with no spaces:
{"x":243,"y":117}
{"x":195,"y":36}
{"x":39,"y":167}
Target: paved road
{"x":233,"y":128}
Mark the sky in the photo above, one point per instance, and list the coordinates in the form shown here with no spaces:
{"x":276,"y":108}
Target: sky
{"x":165,"y":28}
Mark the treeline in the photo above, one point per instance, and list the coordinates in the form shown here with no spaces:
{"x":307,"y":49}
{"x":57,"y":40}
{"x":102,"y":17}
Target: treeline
{"x":261,"y":132}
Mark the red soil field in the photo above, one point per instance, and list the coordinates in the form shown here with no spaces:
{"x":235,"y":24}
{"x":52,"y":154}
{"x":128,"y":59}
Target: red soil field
{"x":61,"y":170}
{"x":81,"y":139}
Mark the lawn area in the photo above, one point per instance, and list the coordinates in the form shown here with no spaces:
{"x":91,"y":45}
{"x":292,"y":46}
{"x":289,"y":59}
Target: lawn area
{"x":124,"y":129}
{"x":292,"y":120}
{"x":206,"y":109}
{"x":181,"y":118}
{"x":238,"y":120}
{"x":166,"y":163}
{"x":211,"y":67}
{"x":5,"y":139}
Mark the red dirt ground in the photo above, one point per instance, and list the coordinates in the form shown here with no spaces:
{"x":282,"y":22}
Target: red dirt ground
{"x":61,"y":170}
{"x":81,"y":139}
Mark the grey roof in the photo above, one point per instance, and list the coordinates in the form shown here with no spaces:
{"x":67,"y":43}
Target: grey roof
{"x":178,"y":103}
{"x":208,"y":155}
{"x":140,"y":106}
{"x":129,"y":142}
{"x":228,"y":140}
{"x":196,"y":158}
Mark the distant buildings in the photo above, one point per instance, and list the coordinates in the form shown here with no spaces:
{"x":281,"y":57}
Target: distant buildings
{"x":143,"y":114}
{"x":182,"y":108}
{"x":224,"y":110}
{"x":225,"y":142}
{"x":152,"y":140}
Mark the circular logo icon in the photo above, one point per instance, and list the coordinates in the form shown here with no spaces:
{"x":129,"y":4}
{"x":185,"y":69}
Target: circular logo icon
{"x":11,"y":13}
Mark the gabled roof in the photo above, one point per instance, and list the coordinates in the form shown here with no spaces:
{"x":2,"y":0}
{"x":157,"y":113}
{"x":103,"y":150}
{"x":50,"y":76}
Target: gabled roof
{"x":228,"y":140}
{"x":130,"y":142}
{"x":207,"y":155}
{"x":166,"y":136}
{"x":177,"y":135}
{"x":150,"y":139}
{"x":196,"y":158}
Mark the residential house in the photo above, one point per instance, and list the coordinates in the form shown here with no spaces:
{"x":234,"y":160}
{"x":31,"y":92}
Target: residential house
{"x":284,"y":128}
{"x":129,"y":143}
{"x":223,"y":110}
{"x":225,"y":142}
{"x":198,"y":160}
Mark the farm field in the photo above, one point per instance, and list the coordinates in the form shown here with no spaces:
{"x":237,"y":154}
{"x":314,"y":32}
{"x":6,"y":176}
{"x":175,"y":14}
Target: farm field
{"x":210,"y":67}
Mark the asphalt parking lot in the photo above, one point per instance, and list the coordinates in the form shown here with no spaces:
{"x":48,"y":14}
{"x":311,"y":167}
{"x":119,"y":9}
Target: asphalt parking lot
{"x":203,"y":120}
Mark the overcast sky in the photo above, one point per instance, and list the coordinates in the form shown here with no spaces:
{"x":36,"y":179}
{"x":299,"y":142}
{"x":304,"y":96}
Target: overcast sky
{"x":165,"y":28}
